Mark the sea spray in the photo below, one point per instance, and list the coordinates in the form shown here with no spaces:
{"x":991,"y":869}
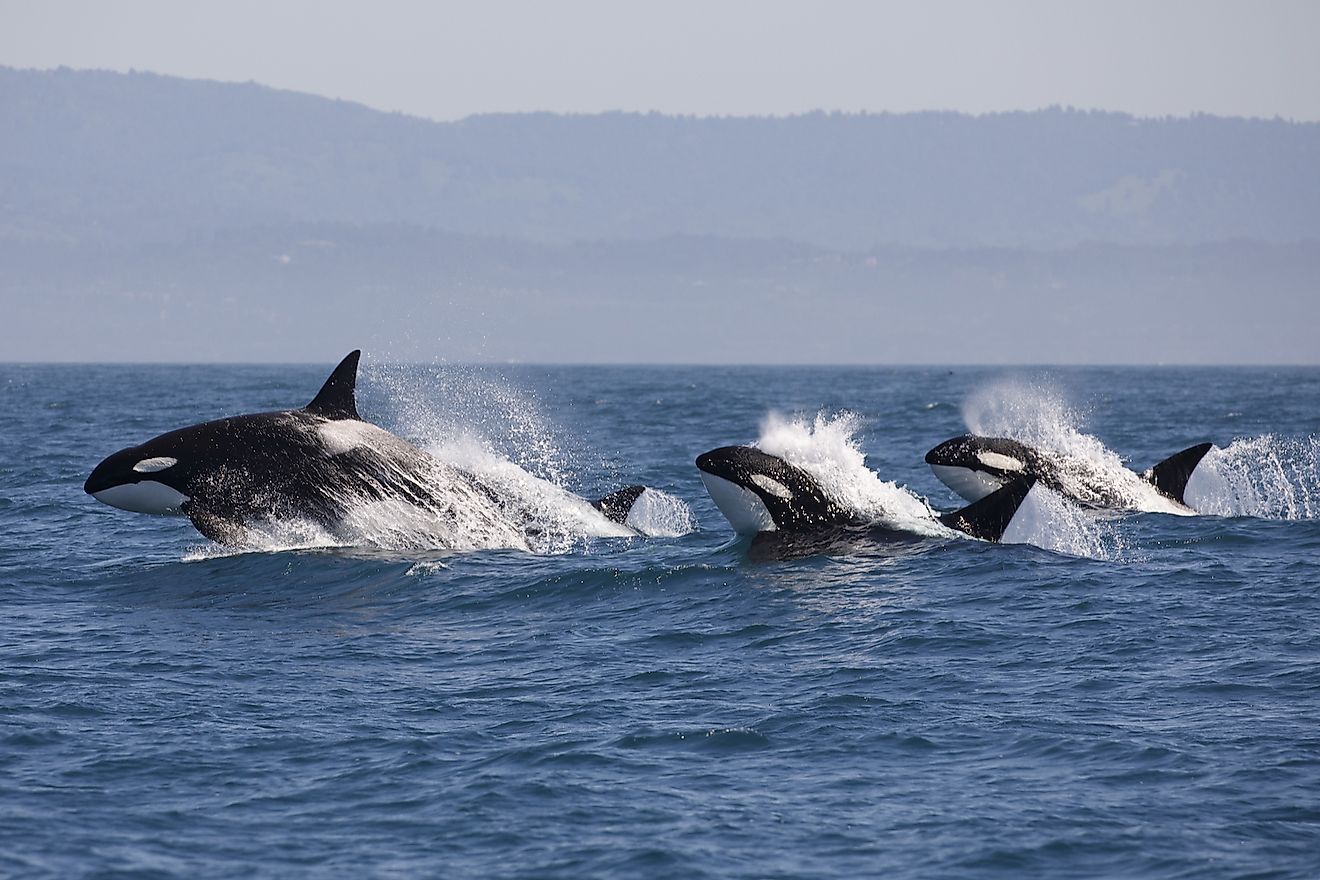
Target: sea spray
{"x":499,"y":433}
{"x":432,"y":404}
{"x":1267,"y":477}
{"x":1048,"y":520}
{"x":826,"y":448}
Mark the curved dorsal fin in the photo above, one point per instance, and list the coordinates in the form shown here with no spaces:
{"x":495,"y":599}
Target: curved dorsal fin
{"x":336,"y":398}
{"x":617,"y":505}
{"x":1171,"y":475}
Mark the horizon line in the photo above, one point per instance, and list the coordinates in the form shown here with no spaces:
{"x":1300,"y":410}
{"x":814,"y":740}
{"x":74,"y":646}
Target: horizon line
{"x":796,"y":114}
{"x":369,"y":361}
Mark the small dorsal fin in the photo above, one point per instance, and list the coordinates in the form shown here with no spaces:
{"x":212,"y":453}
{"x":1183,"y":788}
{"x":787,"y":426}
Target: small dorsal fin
{"x":1171,"y":475}
{"x":617,"y":505}
{"x":336,"y":399}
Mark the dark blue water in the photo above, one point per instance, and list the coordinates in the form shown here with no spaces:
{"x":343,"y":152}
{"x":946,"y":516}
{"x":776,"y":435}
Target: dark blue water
{"x":665,"y":707}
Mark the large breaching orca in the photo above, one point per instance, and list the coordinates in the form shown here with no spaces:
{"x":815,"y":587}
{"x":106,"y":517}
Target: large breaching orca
{"x":784,"y":505}
{"x":974,"y":467}
{"x":316,"y":464}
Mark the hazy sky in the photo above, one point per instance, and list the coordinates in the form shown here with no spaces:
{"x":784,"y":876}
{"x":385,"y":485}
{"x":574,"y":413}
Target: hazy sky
{"x":449,"y":60}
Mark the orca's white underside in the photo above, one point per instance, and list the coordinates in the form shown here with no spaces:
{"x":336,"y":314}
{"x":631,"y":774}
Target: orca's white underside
{"x":969,"y":484}
{"x":741,"y":507}
{"x":148,"y":496}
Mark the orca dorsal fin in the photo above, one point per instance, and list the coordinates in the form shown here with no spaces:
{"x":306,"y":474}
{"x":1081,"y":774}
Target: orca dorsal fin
{"x":337,"y":397}
{"x":1171,"y":475}
{"x":617,"y":505}
{"x":989,"y":518}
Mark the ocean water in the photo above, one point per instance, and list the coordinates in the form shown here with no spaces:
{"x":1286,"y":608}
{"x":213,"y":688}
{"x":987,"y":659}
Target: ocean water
{"x":1139,"y":697}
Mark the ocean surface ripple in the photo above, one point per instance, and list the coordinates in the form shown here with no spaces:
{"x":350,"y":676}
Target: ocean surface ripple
{"x":1142,"y":700}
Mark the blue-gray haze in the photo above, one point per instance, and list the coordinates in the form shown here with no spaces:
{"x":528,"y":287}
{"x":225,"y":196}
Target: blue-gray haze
{"x":150,"y":218}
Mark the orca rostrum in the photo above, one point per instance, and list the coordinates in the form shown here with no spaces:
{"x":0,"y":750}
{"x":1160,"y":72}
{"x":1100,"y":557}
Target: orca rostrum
{"x":318,"y":464}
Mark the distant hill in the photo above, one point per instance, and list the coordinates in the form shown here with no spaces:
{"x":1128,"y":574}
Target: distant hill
{"x":97,"y":156}
{"x":150,"y":218}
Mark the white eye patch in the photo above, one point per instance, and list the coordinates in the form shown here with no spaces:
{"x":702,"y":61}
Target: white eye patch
{"x":1002,"y":462}
{"x":773,"y":486}
{"x":151,"y":465}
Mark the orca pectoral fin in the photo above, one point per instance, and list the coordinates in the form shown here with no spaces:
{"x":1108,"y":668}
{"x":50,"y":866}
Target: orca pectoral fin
{"x":989,"y":518}
{"x":337,"y":398}
{"x":212,"y":525}
{"x":616,"y":505}
{"x":1171,"y":475}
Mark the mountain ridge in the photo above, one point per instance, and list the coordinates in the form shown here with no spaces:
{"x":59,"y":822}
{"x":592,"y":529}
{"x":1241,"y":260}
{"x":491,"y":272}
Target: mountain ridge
{"x":145,"y":157}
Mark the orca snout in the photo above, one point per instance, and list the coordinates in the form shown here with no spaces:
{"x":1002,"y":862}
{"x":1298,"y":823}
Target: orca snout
{"x":114,"y":470}
{"x":949,"y":453}
{"x":718,"y":462}
{"x":738,"y":463}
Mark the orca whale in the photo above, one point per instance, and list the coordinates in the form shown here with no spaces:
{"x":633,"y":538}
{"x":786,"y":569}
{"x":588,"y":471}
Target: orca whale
{"x":317,"y":464}
{"x":974,"y":466}
{"x":785,"y":506}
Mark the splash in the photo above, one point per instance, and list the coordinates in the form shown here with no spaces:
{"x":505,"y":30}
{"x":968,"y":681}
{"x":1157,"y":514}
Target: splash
{"x":400,"y":501}
{"x":1033,"y":413}
{"x":826,"y":448}
{"x":1267,"y":477}
{"x":658,"y":514}
{"x":554,"y":519}
{"x":433,"y":404}
{"x":269,"y":536}
{"x":1038,"y":415}
{"x":1048,"y":520}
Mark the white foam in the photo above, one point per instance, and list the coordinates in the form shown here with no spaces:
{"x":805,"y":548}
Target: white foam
{"x":825,"y":447}
{"x":434,"y":405}
{"x":1048,"y":520}
{"x":1267,"y":477}
{"x":658,"y":514}
{"x":486,"y":427}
